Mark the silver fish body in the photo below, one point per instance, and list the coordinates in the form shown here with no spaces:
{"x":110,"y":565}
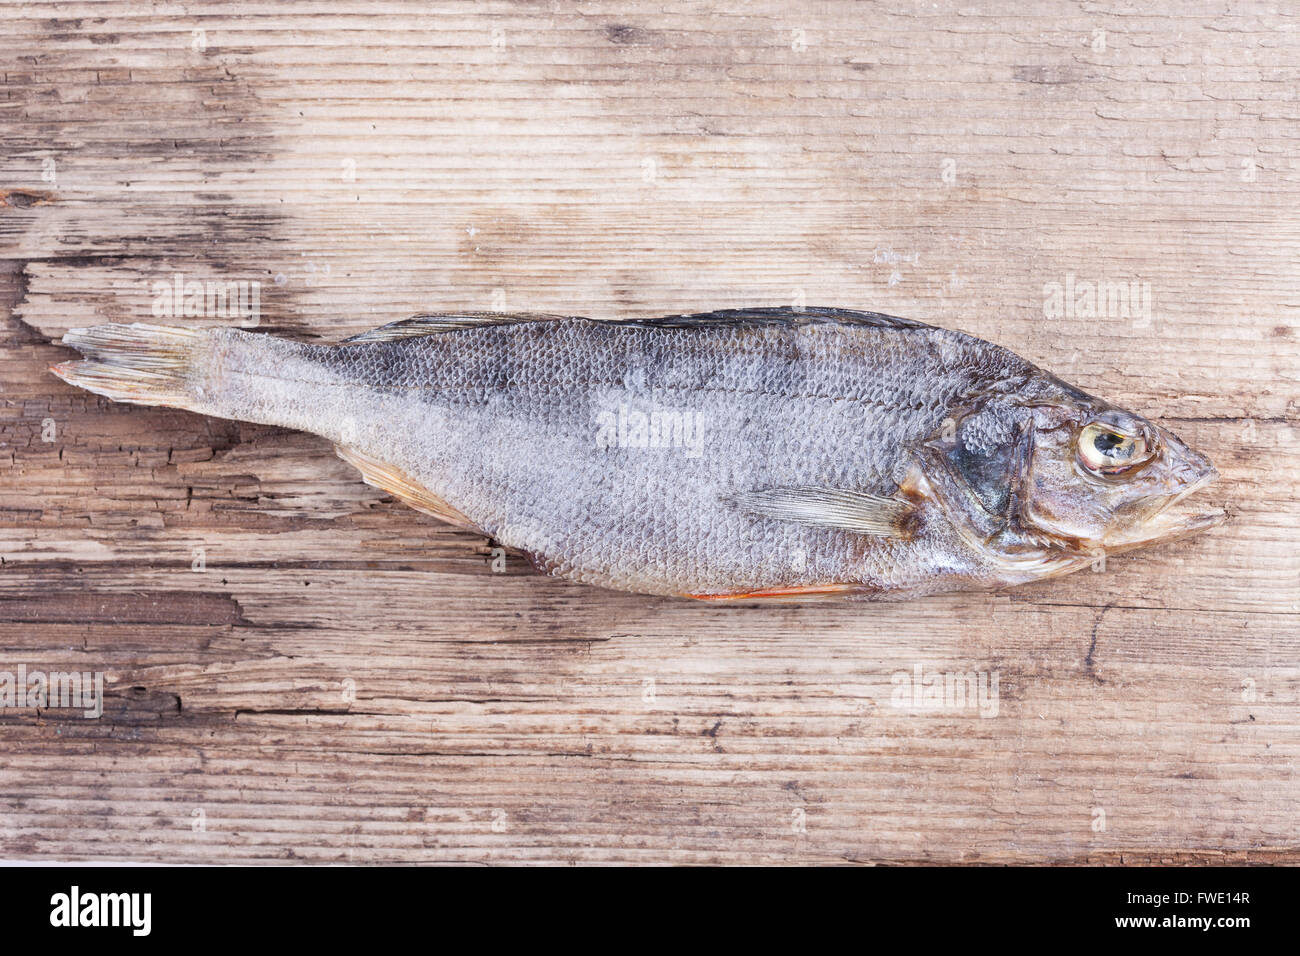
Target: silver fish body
{"x":733,"y":455}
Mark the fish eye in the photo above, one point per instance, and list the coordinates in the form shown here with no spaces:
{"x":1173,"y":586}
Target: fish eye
{"x":1106,"y":450}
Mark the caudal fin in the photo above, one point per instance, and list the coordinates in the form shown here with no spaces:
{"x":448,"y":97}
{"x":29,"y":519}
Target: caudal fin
{"x":142,"y":364}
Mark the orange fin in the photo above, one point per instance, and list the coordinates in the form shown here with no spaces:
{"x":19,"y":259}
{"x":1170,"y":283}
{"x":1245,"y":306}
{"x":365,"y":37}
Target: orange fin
{"x":803,"y":590}
{"x":396,"y":482}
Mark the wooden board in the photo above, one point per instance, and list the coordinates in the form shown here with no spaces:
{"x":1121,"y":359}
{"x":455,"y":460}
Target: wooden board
{"x":297,"y":667}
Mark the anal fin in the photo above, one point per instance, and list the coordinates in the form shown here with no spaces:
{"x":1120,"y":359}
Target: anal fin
{"x":398,"y":483}
{"x":789,"y":593}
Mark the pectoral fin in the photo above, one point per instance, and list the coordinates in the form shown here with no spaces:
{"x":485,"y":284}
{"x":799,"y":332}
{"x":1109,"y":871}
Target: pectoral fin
{"x":855,"y":511}
{"x":396,"y":482}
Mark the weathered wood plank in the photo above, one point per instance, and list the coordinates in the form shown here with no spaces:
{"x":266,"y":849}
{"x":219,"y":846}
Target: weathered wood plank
{"x":297,"y":667}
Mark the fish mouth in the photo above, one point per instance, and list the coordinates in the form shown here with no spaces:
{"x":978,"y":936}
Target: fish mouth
{"x":1173,"y":517}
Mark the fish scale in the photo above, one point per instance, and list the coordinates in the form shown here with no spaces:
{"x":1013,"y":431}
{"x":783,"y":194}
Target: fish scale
{"x":654,"y":519}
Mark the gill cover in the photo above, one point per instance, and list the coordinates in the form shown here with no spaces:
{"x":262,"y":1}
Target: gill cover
{"x":983,"y":454}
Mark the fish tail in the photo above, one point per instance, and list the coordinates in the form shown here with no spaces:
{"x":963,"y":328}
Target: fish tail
{"x":141,"y":364}
{"x":225,"y":372}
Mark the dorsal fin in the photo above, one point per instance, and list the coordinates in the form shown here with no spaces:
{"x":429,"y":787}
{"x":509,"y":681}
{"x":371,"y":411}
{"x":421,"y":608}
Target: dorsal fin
{"x":433,"y":323}
{"x":780,"y":315}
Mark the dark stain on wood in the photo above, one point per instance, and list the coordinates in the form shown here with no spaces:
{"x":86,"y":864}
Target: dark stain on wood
{"x":194,"y":608}
{"x":25,"y":198}
{"x":625,"y":35}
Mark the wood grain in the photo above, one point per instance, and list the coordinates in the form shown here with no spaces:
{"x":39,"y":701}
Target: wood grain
{"x":347,"y":680}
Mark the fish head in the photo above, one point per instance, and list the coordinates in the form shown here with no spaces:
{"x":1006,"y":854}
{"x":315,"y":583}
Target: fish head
{"x":1063,"y":473}
{"x":1101,"y":479}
